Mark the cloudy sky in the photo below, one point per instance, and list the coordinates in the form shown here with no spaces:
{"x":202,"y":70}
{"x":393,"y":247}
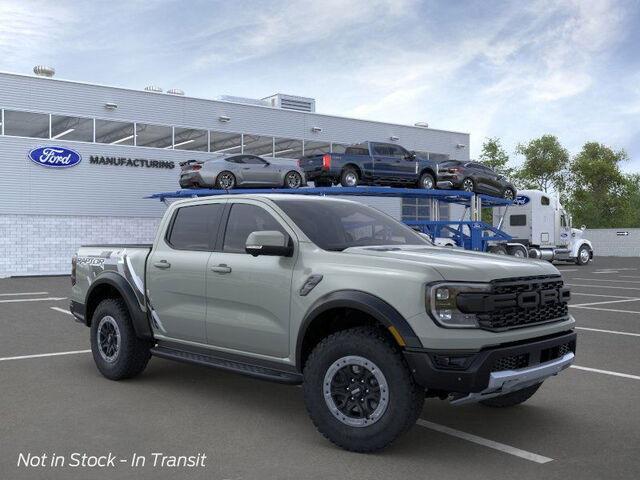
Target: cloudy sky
{"x":515,"y":69}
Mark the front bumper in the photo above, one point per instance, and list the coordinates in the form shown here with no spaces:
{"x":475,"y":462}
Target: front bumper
{"x":491,"y":371}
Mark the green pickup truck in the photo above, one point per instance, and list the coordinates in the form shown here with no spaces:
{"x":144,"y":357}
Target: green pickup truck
{"x":358,"y":308}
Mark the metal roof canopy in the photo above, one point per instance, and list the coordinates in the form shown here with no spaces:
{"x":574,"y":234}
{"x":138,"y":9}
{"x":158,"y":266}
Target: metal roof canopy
{"x":449,"y":196}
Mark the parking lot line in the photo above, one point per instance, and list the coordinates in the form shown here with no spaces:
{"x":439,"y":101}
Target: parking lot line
{"x":16,"y":300}
{"x":608,"y":331}
{"x":605,"y":302}
{"x":61,"y":310}
{"x":534,"y":457}
{"x":599,"y":295}
{"x":606,"y":372}
{"x":22,"y":293}
{"x":603,"y":286}
{"x":606,"y":309}
{"x":41,"y":355}
{"x":606,"y":280}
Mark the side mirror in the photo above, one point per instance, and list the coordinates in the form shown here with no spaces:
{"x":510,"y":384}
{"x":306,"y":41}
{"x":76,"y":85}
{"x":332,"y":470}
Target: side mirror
{"x":268,"y":242}
{"x":410,"y":156}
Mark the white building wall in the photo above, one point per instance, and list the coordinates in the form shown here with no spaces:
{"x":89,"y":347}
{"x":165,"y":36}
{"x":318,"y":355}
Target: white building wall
{"x":44,"y":244}
{"x":612,"y":242}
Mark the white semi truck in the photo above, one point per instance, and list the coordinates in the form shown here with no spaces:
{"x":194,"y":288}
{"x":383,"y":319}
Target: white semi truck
{"x":540,"y":223}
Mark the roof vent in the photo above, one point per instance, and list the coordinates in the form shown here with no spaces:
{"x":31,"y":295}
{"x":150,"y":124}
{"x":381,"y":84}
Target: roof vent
{"x":292,"y":102}
{"x":175,"y":91}
{"x":153,"y":88}
{"x":422,"y":124}
{"x":44,"y":71}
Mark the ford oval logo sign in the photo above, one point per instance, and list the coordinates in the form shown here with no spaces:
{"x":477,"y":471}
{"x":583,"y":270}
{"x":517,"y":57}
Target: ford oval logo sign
{"x":55,"y":157}
{"x":521,"y":200}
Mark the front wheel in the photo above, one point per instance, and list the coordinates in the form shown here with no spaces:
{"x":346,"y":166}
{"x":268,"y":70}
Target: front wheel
{"x":117,"y":352}
{"x":513,"y":398}
{"x":584,"y":255}
{"x":427,"y":182}
{"x":293,"y":180}
{"x":359,"y":392}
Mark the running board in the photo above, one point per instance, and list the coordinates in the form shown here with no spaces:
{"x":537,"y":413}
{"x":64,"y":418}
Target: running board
{"x":251,"y":370}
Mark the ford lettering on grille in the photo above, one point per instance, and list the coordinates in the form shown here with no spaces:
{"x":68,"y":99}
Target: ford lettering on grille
{"x":55,"y":157}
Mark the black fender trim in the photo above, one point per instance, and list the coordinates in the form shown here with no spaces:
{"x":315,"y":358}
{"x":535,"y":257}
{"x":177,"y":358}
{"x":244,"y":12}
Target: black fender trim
{"x":138,"y":316}
{"x":358,"y":300}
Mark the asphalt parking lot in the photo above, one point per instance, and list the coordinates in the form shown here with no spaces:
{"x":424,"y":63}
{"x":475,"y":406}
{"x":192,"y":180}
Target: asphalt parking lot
{"x":585,"y":423}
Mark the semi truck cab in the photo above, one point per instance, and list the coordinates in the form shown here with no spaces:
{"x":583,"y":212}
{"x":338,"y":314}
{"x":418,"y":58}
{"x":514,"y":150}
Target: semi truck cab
{"x":538,"y":221}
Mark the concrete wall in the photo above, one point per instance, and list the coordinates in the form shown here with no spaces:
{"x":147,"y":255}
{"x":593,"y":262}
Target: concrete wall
{"x":612,"y":242}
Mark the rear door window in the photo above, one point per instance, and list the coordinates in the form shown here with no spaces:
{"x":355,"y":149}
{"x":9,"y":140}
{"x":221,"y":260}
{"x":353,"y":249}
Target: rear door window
{"x":195,"y":228}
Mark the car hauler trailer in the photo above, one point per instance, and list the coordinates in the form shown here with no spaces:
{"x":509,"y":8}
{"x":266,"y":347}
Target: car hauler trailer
{"x":470,"y":234}
{"x":539,"y":222}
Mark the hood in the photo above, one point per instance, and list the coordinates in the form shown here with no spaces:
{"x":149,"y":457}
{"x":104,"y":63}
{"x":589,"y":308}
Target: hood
{"x":461,"y":265}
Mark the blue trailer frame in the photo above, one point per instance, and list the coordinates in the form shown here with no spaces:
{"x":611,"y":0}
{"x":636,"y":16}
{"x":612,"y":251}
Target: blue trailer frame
{"x":473,"y":234}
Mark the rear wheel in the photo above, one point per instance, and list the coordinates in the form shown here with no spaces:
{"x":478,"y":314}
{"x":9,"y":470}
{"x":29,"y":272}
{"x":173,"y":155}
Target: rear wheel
{"x":513,"y":398}
{"x":508,"y":193}
{"x":226,"y":180}
{"x":427,"y":182}
{"x":117,"y":352}
{"x":293,"y":180}
{"x":584,"y":255}
{"x":468,"y":185}
{"x":359,"y":392}
{"x":498,"y":249}
{"x":349,"y":177}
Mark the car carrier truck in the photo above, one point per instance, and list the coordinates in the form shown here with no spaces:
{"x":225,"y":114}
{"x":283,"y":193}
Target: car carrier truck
{"x":538,"y":222}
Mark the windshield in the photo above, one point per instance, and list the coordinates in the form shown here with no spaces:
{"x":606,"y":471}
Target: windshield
{"x":335,"y":225}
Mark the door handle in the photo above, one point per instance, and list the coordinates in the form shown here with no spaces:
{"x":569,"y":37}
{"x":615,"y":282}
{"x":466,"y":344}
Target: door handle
{"x":162,"y":264}
{"x":222,"y":268}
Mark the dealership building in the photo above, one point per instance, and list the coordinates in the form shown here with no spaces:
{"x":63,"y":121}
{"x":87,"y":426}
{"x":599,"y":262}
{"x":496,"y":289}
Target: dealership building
{"x":129,"y":144}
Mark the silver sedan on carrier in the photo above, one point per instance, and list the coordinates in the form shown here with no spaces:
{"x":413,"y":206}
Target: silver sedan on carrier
{"x":241,"y":170}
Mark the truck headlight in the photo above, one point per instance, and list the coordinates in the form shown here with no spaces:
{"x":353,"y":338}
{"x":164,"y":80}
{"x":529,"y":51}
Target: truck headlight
{"x":443,"y":307}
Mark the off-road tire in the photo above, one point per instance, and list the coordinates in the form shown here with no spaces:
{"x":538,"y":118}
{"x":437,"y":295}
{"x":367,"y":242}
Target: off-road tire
{"x":405,"y":398}
{"x":134,"y":353}
{"x":343,"y":177}
{"x":511,"y":399}
{"x":424,"y":179}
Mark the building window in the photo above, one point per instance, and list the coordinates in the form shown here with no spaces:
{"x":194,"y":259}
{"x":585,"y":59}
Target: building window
{"x":26,"y":124}
{"x":287,"y":148}
{"x":190,"y":139}
{"x":338,"y":147}
{"x":257,"y":145}
{"x":316,"y":148}
{"x":157,"y":136}
{"x":71,"y":128}
{"x":222,"y":142}
{"x":419,"y":209}
{"x":114,"y":133}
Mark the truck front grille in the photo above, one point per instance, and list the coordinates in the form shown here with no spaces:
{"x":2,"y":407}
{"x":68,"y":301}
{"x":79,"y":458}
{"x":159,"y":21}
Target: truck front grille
{"x":525,"y":301}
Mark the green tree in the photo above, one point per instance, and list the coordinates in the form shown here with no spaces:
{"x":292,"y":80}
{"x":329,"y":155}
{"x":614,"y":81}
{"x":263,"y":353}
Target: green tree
{"x":545,"y":164}
{"x":494,"y":156}
{"x":601,"y":195}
